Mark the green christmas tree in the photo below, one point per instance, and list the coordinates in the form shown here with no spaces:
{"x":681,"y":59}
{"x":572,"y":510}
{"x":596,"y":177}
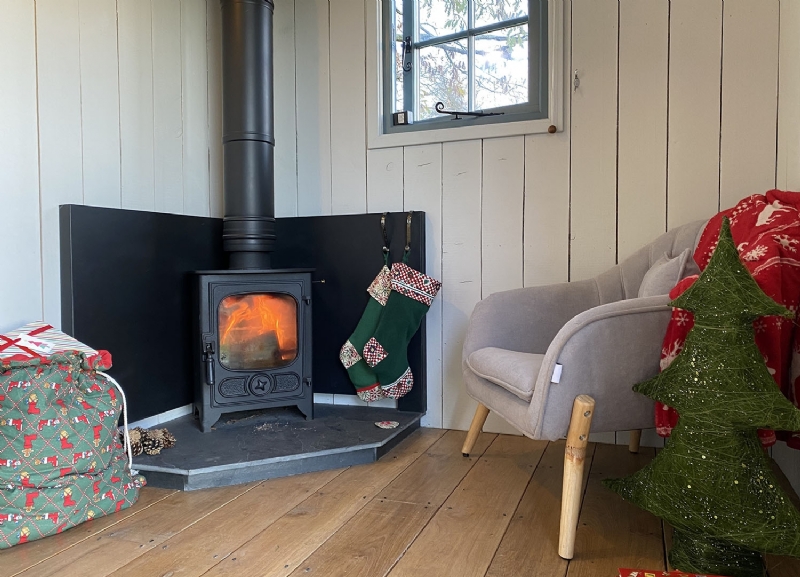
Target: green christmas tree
{"x":713,"y":481}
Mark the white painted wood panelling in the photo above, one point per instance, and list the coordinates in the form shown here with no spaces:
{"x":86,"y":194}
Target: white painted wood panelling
{"x":137,"y":128}
{"x":214,"y":62}
{"x":788,"y":177}
{"x":385,"y":180}
{"x":61,"y":166}
{"x":167,"y":106}
{"x":594,"y":138}
{"x":422,"y":175}
{"x":20,"y":293}
{"x":285,"y":118}
{"x":695,"y":52}
{"x":99,"y":102}
{"x":312,"y":32}
{"x":749,"y":99}
{"x":194,"y":118}
{"x":348,"y":101}
{"x":105,"y":102}
{"x":461,"y":269}
{"x":546,"y":219}
{"x":642,"y":148}
{"x":502,"y":210}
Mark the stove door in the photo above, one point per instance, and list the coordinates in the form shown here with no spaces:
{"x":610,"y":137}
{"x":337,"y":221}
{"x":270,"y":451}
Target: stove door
{"x":255,"y":343}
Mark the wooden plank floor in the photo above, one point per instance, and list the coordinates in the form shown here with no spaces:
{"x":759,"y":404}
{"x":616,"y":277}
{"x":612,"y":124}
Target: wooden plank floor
{"x":423,"y":509}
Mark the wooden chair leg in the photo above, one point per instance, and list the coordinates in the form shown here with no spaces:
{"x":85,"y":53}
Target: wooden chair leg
{"x":475,"y":429}
{"x":633,"y":442}
{"x":574,"y":455}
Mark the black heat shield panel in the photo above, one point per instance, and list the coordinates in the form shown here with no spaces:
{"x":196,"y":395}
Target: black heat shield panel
{"x":125,"y":288}
{"x":346,"y":252}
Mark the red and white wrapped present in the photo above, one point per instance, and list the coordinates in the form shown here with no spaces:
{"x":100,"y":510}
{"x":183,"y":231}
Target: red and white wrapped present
{"x":38,"y":340}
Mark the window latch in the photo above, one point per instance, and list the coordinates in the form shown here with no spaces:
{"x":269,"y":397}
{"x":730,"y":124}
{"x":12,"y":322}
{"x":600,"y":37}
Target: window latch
{"x":458,"y":114}
{"x":407,"y":47}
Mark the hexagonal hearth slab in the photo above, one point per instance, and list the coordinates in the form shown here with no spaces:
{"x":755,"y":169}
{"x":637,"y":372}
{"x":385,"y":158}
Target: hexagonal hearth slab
{"x":257,"y":445}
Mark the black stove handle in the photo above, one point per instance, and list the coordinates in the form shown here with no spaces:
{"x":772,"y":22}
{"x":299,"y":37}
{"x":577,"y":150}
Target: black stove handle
{"x":208,"y":357}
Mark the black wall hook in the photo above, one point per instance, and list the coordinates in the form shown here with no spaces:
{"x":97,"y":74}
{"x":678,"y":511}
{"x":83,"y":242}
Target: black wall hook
{"x":385,"y":237}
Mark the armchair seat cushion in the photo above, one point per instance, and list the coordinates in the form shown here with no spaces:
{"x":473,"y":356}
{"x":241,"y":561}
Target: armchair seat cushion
{"x":514,"y":371}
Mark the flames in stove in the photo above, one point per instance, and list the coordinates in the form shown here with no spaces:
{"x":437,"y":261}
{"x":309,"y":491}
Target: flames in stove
{"x":258,"y":331}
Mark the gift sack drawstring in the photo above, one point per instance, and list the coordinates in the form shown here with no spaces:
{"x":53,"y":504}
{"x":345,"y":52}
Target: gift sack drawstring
{"x":126,"y":434}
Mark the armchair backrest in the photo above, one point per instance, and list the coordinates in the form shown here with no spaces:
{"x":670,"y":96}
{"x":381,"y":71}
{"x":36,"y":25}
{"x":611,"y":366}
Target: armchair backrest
{"x":623,"y":281}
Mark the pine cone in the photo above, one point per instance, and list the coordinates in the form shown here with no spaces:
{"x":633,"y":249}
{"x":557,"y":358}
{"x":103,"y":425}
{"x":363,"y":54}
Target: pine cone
{"x":152,"y":445}
{"x":136,"y":448}
{"x":168,"y":438}
{"x":135,"y":437}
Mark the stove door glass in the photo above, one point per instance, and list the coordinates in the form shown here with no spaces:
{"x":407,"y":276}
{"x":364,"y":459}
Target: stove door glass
{"x":257,"y":331}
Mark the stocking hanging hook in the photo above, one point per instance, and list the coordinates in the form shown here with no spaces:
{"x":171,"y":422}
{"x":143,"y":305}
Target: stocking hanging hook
{"x":408,"y":230}
{"x":383,"y":230}
{"x":385,"y":238}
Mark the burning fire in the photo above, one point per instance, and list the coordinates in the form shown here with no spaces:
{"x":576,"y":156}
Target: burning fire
{"x":257,"y":330}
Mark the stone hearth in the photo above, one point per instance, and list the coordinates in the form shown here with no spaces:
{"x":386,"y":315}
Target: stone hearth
{"x":258,"y":445}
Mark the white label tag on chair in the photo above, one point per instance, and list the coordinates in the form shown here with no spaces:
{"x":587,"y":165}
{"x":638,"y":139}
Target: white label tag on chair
{"x":557,"y":373}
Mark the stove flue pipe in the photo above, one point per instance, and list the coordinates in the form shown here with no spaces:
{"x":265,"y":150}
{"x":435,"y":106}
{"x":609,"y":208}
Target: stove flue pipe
{"x":248,"y":138}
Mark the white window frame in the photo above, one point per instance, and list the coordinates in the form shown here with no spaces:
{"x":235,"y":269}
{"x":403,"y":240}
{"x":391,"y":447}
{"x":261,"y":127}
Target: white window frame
{"x":376,"y":138}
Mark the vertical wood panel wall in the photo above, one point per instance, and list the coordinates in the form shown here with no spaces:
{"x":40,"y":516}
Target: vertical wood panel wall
{"x":20,"y":293}
{"x":106,"y":103}
{"x":117,"y":103}
{"x":660,"y":132}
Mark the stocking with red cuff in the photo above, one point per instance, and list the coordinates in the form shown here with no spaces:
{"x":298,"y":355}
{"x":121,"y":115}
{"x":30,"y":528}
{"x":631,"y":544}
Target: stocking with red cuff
{"x":361,"y":375}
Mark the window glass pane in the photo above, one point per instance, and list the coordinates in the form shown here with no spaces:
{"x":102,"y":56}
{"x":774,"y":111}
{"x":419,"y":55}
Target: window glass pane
{"x":501,"y":68}
{"x":443,"y":78}
{"x":490,"y":11}
{"x":440,"y":17}
{"x":257,"y":331}
{"x":398,"y":56}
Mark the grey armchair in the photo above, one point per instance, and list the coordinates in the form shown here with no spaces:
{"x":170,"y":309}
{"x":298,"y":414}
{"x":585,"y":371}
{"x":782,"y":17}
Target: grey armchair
{"x":561,"y":359}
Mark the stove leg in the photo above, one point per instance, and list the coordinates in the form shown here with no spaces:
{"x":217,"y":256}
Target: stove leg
{"x":208,"y":417}
{"x":306,"y":407}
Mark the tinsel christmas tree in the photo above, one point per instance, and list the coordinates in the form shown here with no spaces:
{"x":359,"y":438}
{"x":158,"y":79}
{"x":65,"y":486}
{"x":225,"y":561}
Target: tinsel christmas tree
{"x":713,"y":481}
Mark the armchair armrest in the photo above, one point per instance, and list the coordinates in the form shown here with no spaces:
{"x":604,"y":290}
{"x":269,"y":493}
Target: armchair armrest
{"x":604,"y":351}
{"x":527,"y":320}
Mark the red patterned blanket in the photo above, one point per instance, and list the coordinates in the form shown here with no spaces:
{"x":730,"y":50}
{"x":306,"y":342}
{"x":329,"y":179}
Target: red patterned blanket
{"x":766,"y":229}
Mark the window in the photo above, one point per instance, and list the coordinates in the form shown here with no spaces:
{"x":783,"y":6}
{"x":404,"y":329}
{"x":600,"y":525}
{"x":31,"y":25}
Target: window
{"x":472,"y":56}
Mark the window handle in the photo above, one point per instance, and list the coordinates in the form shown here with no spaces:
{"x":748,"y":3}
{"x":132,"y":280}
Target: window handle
{"x":407,"y":47}
{"x":457,"y":114}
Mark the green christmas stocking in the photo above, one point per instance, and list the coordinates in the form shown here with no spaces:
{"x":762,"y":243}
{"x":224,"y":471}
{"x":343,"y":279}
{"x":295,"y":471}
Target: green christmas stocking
{"x":361,"y":375}
{"x":410,"y":298}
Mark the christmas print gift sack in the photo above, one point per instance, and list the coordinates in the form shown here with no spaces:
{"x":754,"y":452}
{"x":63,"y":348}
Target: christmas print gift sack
{"x":61,"y":461}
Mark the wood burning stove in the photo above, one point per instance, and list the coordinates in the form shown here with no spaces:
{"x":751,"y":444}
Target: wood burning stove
{"x":254,"y":332}
{"x":255,"y":342}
